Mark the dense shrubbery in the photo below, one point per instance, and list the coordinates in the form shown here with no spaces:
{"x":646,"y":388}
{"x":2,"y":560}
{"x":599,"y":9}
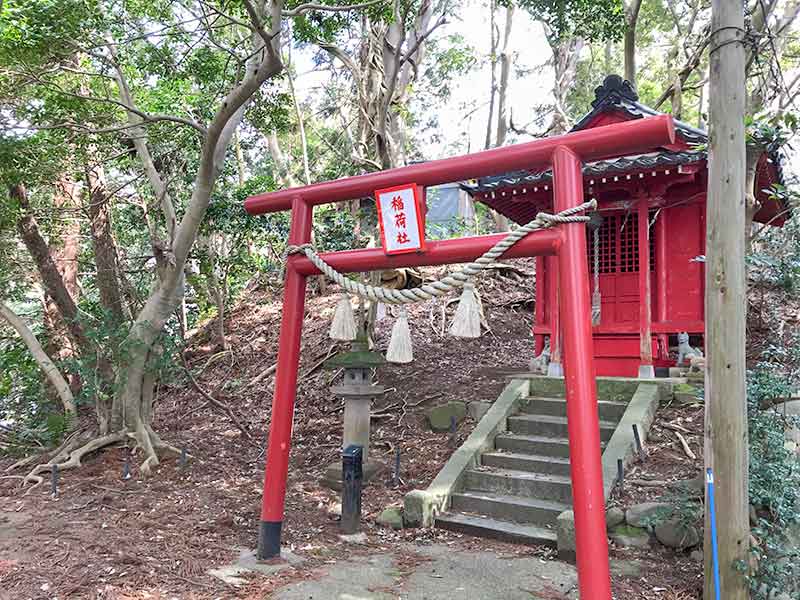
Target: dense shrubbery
{"x":774,"y":473}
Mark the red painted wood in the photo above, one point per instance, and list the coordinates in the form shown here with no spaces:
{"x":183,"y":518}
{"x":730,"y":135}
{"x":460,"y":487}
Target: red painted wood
{"x":661,"y":289}
{"x":642,"y":135}
{"x":684,"y":276}
{"x":645,"y":301}
{"x":541,"y":302}
{"x":280,"y":431}
{"x":583,"y":424}
{"x":457,"y":250}
{"x":554,"y":312}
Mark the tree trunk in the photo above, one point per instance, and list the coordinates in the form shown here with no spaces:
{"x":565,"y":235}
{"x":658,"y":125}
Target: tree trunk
{"x":64,"y":246}
{"x":52,"y":281}
{"x":501,"y":222}
{"x":726,"y":450}
{"x":566,"y":53}
{"x":502,"y":91}
{"x":629,"y":44}
{"x":493,"y":36}
{"x":105,"y":249}
{"x":240,"y":164}
{"x":48,"y":367}
{"x":132,"y":406}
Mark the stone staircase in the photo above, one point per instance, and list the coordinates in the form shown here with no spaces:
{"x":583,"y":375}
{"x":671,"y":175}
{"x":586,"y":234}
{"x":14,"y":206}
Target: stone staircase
{"x":520,"y":487}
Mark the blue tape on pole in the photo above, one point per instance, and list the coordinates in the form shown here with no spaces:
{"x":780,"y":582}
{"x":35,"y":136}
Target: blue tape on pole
{"x":713,"y":519}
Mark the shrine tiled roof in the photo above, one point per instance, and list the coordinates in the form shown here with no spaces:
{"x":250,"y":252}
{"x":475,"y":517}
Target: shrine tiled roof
{"x":615,"y":96}
{"x":598,"y":168}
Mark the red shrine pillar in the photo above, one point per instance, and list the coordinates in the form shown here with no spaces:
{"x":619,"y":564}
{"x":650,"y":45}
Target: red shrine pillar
{"x":541,"y":302}
{"x":661,"y":281}
{"x":583,"y":427}
{"x":555,"y":367}
{"x":280,"y":429}
{"x":646,"y":369}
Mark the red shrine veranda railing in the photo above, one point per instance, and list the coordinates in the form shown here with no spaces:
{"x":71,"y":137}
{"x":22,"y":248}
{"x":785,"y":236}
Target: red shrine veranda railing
{"x":566,"y":242}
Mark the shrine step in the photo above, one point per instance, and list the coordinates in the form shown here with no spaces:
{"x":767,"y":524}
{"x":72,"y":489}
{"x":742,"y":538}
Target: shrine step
{"x":508,"y":508}
{"x":552,"y":426}
{"x":609,"y":410}
{"x":526,"y":462}
{"x":534,"y":444}
{"x":556,"y":488}
{"x":494,"y":528}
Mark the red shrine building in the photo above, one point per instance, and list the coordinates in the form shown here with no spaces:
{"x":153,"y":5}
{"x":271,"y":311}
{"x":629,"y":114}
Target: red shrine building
{"x":650,"y":241}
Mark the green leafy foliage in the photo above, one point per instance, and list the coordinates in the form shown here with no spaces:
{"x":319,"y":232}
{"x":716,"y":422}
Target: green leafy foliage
{"x":774,"y":471}
{"x":594,"y":20}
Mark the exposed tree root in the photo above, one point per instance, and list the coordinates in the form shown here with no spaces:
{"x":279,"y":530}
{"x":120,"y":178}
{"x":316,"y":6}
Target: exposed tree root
{"x":73,"y":440}
{"x":72,"y":461}
{"x":72,"y":451}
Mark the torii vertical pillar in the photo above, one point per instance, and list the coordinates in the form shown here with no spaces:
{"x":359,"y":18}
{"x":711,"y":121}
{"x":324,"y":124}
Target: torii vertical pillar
{"x":280,"y":429}
{"x":583,"y":422}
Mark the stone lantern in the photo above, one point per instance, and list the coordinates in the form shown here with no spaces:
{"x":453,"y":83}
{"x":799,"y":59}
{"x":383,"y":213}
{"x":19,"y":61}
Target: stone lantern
{"x":358,"y":391}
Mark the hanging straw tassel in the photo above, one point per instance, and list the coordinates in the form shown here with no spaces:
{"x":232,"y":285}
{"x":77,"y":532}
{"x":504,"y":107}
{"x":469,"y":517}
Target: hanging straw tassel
{"x":343,"y":327}
{"x":400,"y":350}
{"x":467,"y":321}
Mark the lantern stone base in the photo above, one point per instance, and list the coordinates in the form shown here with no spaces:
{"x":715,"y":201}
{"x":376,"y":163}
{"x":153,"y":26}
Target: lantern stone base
{"x":332,"y":478}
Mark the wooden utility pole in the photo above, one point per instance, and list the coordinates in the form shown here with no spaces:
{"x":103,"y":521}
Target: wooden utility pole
{"x":726,"y":406}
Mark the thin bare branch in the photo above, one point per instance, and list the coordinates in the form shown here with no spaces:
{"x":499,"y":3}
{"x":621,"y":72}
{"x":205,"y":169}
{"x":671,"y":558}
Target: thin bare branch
{"x":312,"y":6}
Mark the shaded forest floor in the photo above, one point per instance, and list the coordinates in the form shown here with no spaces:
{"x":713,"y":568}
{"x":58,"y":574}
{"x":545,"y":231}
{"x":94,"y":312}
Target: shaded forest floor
{"x":156,"y":537}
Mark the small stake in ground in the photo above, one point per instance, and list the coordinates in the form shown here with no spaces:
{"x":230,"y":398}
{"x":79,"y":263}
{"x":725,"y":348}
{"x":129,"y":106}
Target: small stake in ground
{"x":126,"y":466}
{"x":351,"y":488}
{"x":183,"y":459}
{"x":638,"y":440}
{"x":452,"y":430}
{"x":54,"y":481}
{"x":620,"y":474}
{"x":396,"y":476}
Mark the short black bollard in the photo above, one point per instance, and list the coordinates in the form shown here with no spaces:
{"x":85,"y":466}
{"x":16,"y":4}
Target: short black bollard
{"x":352,"y":474}
{"x":638,"y":441}
{"x":126,"y":466}
{"x":620,"y":474}
{"x":54,"y":481}
{"x":396,"y":476}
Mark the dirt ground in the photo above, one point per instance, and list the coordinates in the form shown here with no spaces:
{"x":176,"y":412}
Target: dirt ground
{"x":104,"y":537}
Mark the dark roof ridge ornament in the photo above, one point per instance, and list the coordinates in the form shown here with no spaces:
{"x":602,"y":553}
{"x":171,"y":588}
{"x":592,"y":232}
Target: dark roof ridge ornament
{"x":614,"y":89}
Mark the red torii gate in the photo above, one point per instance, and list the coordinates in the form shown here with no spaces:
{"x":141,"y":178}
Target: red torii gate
{"x":566,"y":241}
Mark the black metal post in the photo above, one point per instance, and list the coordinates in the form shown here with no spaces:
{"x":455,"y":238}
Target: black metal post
{"x":620,"y":474}
{"x":126,"y":465}
{"x":396,"y":478}
{"x":352,"y":475}
{"x":638,"y":441}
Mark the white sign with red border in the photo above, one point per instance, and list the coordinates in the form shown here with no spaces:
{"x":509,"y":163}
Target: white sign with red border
{"x":400,"y":219}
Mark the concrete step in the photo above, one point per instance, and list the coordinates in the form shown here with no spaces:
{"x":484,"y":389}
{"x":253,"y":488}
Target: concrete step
{"x":520,"y":483}
{"x":557,"y":407}
{"x":526,"y":462}
{"x":551,"y":426}
{"x":500,"y":530}
{"x":508,"y":508}
{"x":534,"y":444}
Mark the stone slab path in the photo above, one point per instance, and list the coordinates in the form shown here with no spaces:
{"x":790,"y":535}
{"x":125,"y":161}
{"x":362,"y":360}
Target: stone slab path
{"x":444,"y":573}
